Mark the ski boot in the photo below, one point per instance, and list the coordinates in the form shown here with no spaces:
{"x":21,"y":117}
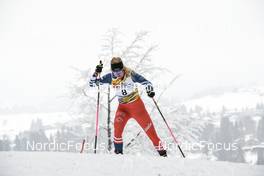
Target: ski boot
{"x":162,"y":153}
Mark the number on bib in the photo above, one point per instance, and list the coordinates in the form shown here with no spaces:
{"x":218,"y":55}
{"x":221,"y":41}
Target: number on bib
{"x":124,"y":92}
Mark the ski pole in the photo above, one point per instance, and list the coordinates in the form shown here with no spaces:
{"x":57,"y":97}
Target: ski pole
{"x":97,"y":110}
{"x":82,"y":148}
{"x":96,"y":123}
{"x":132,"y":140}
{"x":97,"y":113}
{"x":174,"y":138}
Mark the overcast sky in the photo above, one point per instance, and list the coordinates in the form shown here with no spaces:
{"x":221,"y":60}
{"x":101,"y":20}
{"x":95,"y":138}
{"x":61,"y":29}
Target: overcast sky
{"x":212,"y":43}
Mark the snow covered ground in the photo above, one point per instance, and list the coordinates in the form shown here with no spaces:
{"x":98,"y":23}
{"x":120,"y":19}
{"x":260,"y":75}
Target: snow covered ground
{"x":75,"y":164}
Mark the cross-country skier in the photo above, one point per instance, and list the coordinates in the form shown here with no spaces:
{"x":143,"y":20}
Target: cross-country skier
{"x":123,"y":79}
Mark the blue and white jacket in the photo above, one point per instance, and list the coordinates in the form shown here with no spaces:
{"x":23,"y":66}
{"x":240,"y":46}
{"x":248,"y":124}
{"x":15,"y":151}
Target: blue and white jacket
{"x":126,"y":88}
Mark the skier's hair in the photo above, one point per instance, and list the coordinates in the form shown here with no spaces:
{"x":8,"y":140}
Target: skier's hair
{"x":116,"y":60}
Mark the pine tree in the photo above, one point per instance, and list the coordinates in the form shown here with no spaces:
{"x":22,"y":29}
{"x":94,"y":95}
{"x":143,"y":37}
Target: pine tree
{"x":224,"y":138}
{"x":260,"y":130}
{"x":5,"y":143}
{"x":37,"y":133}
{"x":17,"y":143}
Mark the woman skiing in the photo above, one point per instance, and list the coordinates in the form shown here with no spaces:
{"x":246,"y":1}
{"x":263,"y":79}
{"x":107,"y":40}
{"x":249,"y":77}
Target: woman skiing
{"x":123,"y":79}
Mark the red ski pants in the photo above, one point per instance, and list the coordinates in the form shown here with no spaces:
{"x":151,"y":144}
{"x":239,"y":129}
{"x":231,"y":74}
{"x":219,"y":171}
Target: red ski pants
{"x":137,"y":111}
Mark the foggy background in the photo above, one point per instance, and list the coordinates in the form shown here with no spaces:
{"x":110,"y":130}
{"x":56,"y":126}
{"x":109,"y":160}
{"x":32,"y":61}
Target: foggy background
{"x":213,"y":44}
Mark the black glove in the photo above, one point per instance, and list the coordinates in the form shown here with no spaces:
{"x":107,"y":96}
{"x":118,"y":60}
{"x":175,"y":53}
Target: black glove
{"x":150,"y":91}
{"x":99,"y":68}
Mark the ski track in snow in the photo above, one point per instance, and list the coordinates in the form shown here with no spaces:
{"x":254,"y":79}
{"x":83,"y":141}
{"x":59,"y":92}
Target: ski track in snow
{"x":75,"y":164}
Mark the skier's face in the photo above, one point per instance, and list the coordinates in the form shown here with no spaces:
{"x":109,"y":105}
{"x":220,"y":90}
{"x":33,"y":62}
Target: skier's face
{"x":118,"y":74}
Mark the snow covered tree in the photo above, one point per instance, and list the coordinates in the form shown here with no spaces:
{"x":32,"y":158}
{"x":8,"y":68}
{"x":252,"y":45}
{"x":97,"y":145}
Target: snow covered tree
{"x":37,"y":132}
{"x":260,"y":130}
{"x":5,"y":143}
{"x":224,"y":138}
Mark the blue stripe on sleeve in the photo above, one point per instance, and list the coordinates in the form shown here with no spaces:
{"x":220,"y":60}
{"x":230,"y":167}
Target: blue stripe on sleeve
{"x":139,"y":79}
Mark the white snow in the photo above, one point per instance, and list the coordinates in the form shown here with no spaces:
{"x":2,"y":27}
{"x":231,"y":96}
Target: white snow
{"x":75,"y":164}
